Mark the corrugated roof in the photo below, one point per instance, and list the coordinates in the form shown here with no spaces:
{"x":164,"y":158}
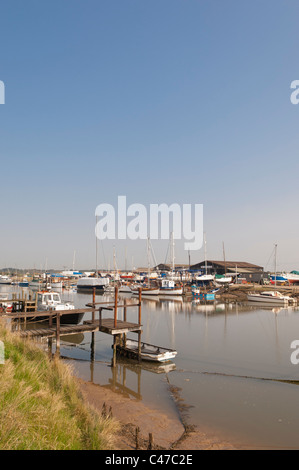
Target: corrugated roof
{"x":231,"y":264}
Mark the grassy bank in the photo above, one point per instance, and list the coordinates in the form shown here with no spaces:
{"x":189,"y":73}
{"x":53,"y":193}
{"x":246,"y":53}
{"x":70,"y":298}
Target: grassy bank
{"x":41,"y":406}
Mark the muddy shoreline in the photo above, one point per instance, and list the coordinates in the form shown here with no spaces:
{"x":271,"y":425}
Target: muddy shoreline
{"x":169,"y":432}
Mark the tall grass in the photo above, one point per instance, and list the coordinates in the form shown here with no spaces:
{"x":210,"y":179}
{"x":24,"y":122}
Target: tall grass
{"x":40,"y":404}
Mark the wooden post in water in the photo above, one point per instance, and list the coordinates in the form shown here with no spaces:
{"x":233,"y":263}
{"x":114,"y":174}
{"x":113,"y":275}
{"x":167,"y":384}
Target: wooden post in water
{"x":139,"y":322}
{"x":93,"y":302}
{"x":58,"y":334}
{"x":125,"y":319}
{"x":115,"y":306}
{"x":50,"y":341}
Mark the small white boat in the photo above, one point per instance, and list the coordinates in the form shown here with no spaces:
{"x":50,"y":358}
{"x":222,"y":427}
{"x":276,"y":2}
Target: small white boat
{"x":5,"y":280}
{"x":205,"y":278}
{"x":271,"y":297}
{"x":149,"y":352}
{"x":223,"y":280}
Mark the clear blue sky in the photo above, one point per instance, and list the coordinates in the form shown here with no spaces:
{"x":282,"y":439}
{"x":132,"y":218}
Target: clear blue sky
{"x":182,"y":101}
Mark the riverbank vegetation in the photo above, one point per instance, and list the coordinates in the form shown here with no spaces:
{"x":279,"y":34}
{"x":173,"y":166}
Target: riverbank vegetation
{"x":41,"y":407}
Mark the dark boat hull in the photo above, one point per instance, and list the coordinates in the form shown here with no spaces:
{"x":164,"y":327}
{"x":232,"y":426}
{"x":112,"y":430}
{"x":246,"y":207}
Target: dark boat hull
{"x":89,"y":289}
{"x":67,"y":319}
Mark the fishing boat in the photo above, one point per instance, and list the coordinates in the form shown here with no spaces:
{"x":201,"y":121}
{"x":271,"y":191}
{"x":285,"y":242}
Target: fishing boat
{"x":149,"y":352}
{"x":271,"y":297}
{"x":52,"y":301}
{"x":169,"y":288}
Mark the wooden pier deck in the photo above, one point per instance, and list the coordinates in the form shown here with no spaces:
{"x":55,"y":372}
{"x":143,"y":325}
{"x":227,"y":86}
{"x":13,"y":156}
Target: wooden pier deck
{"x":106,"y":326}
{"x":112,"y":326}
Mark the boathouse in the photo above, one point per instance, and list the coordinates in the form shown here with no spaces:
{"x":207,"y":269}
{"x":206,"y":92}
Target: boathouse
{"x":250,"y":272}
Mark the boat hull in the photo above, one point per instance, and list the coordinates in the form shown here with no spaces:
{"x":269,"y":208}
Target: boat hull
{"x":171,"y":291}
{"x":145,"y":291}
{"x":267,"y":299}
{"x":149,"y":352}
{"x":90,"y":289}
{"x":69,"y":319}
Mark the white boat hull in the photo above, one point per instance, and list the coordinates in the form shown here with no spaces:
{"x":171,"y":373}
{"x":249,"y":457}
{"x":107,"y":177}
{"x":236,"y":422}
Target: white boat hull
{"x":269,"y":299}
{"x":150,"y":352}
{"x":171,"y":291}
{"x":145,"y":291}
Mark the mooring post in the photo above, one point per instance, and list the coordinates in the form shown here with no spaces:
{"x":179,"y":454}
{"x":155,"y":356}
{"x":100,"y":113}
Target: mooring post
{"x":125,"y":319}
{"x":139,"y":306}
{"x":58,"y":334}
{"x":50,"y":342}
{"x":115,"y":306}
{"x":139,"y":322}
{"x":93,"y":303}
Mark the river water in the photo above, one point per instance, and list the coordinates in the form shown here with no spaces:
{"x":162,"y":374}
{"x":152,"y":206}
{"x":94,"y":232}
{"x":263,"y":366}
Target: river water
{"x":225,"y":353}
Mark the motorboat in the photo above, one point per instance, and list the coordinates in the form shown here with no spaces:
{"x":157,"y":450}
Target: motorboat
{"x":149,"y":352}
{"x":272,"y":297}
{"x":222,"y":280}
{"x":5,"y":280}
{"x":52,"y":301}
{"x":278,"y":279}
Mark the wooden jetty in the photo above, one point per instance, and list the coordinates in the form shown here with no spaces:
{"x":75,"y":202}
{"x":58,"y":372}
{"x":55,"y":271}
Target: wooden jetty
{"x":112,"y":326}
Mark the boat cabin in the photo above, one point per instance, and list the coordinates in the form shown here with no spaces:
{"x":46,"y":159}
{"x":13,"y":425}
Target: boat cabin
{"x":48,"y":298}
{"x":167,"y":284}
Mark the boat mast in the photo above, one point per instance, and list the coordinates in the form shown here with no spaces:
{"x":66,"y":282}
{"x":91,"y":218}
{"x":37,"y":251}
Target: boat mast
{"x":206,"y":261}
{"x":96,"y":248}
{"x":275,"y":263}
{"x":148,"y":261}
{"x":224,"y":258}
{"x":172,"y":252}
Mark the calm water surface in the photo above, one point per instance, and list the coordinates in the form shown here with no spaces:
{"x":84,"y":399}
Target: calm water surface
{"x":225,"y":351}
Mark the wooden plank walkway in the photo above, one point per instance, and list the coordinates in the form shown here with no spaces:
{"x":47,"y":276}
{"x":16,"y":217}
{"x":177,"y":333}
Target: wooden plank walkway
{"x":106,"y":326}
{"x":112,"y":326}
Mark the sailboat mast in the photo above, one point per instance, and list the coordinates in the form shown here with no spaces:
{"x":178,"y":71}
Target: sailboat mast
{"x":206,"y":261}
{"x":224,"y":258}
{"x":172,"y":252}
{"x":148,"y":261}
{"x":275,"y":264}
{"x":96,"y":248}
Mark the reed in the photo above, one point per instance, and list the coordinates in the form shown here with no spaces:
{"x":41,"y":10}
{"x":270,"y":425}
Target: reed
{"x":41,"y":407}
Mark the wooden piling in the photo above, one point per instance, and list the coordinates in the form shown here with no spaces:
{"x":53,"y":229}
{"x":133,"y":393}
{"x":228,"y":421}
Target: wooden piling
{"x":58,"y":334}
{"x":115,"y":306}
{"x":139,"y":322}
